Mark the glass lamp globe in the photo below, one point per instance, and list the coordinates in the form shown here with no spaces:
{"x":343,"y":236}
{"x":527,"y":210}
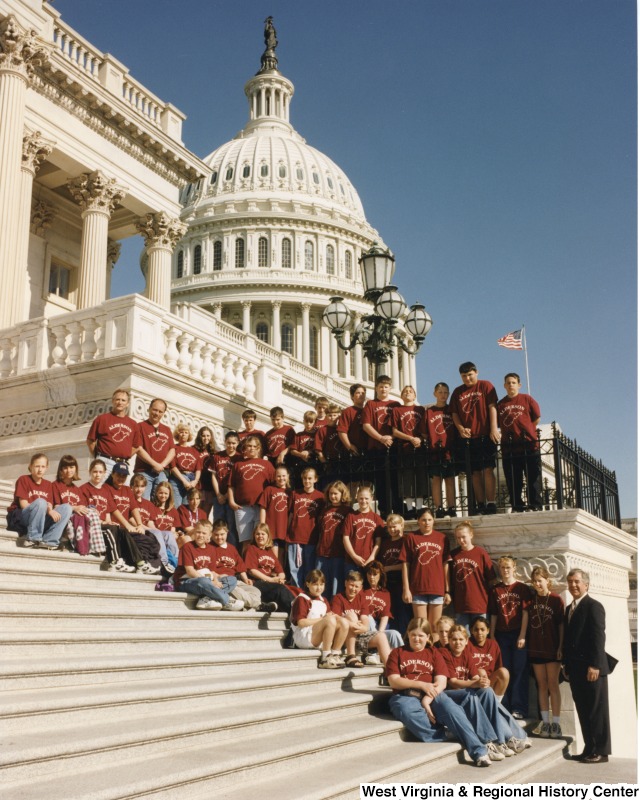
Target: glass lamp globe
{"x":390,"y":305}
{"x":336,"y":315}
{"x":377,"y":266}
{"x":418,"y":323}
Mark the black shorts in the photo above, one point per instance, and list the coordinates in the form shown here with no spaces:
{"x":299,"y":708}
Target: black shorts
{"x":535,"y":660}
{"x":482,"y":453}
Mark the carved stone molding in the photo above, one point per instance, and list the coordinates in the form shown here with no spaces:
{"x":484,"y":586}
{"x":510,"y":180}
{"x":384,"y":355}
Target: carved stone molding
{"x":161,"y":230}
{"x":35,"y":148}
{"x":605,"y":578}
{"x":42,"y":216}
{"x":21,"y":51}
{"x":95,"y":192}
{"x":113,"y":252}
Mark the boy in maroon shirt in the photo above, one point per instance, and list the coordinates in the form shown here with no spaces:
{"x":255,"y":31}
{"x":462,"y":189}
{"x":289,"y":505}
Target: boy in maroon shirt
{"x":302,"y":535}
{"x":408,"y":429}
{"x":111,"y":435}
{"x":153,"y":445}
{"x":518,"y":417}
{"x":353,"y":438}
{"x":279,"y":438}
{"x":376,"y":423}
{"x":220,"y":470}
{"x":227,"y":561}
{"x":473,"y":408}
{"x":471,"y":575}
{"x":328,"y":447}
{"x":301,"y":452}
{"x":353,"y":606}
{"x":249,"y":421}
{"x":442,"y":442}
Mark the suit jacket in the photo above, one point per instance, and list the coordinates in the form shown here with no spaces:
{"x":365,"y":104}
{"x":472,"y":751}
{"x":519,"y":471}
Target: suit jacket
{"x":584,"y":637}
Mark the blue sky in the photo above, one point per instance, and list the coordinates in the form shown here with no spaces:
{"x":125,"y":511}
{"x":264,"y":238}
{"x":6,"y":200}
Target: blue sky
{"x":493,"y":145}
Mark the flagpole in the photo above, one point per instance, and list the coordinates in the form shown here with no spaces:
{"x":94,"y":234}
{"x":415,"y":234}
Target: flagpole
{"x":526,"y":357}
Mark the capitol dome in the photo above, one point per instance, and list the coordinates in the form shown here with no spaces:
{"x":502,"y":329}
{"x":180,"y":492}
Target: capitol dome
{"x":274,"y":230}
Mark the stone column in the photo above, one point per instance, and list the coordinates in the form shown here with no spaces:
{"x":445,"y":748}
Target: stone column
{"x":161,"y":235}
{"x":217,"y":310}
{"x":412,"y":370}
{"x":34,"y":150}
{"x":20,"y":53}
{"x":392,"y":365}
{"x":97,"y":196}
{"x":306,"y":355}
{"x":325,"y":349}
{"x":275,"y":310}
{"x":113,"y":254}
{"x":406,"y":370}
{"x":246,"y":316}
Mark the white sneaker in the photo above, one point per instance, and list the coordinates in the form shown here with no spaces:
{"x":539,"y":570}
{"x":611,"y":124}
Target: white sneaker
{"x":208,"y":604}
{"x":483,"y":761}
{"x":147,"y":569}
{"x":233,"y":605}
{"x":373,"y":660}
{"x":506,"y":750}
{"x":122,"y":566}
{"x":493,"y":753}
{"x":516,"y":745}
{"x":538,"y":729}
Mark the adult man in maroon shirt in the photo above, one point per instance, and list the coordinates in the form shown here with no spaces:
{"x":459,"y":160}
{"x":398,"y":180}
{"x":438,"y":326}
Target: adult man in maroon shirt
{"x":111,"y":434}
{"x":473,"y":408}
{"x":153,"y":446}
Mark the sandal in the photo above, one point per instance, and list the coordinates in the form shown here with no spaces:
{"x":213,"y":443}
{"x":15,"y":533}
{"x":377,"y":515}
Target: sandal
{"x":353,"y":662}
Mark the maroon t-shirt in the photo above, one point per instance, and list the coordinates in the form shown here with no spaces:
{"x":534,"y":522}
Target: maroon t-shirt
{"x":426,"y":557}
{"x":186,"y":518}
{"x":187,"y":459}
{"x":442,"y":433}
{"x":546,"y":616}
{"x":101,"y":498}
{"x":124,"y":499}
{"x":389,"y":552}
{"x":328,"y":442}
{"x":264,"y":560}
{"x":302,"y":605}
{"x":242,"y":435}
{"x":220,"y":464}
{"x":350,"y":422}
{"x":277,"y":504}
{"x":330,"y":544}
{"x":305,"y":509}
{"x":507,"y":603}
{"x":471,"y":404}
{"x":63,"y":493}
{"x":359,"y":604}
{"x":249,"y":478}
{"x":409,"y":420}
{"x":148,"y":512}
{"x":227,"y":560}
{"x":377,"y":413}
{"x":113,"y":435}
{"x":516,"y":416}
{"x":27,"y":489}
{"x":363,"y":530}
{"x":277,"y":440}
{"x":462,"y":666}
{"x":193,"y":556}
{"x":304,"y":440}
{"x":424,"y":665}
{"x":379,"y":603}
{"x":471,"y":572}
{"x":156,"y":441}
{"x":488,"y":657}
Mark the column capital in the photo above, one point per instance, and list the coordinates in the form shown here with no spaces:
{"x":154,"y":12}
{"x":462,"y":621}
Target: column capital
{"x":306,"y":307}
{"x":276,"y":304}
{"x":21,"y":51}
{"x":42,"y":215}
{"x":246,"y":303}
{"x":35,"y":148}
{"x":113,"y":252}
{"x":161,"y":230}
{"x":93,"y":191}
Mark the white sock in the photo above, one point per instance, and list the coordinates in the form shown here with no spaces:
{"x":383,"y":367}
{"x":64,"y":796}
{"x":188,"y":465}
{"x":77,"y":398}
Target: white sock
{"x":499,"y":697}
{"x":325,"y":653}
{"x":545,"y":716}
{"x":556,"y":720}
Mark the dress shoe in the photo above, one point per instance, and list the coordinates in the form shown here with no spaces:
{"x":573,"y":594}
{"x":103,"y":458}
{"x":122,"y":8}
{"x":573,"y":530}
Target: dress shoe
{"x":578,"y":756}
{"x":594,"y":758}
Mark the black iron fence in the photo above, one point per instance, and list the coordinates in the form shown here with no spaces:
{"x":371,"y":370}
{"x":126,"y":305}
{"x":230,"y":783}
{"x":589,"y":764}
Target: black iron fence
{"x":552,"y":473}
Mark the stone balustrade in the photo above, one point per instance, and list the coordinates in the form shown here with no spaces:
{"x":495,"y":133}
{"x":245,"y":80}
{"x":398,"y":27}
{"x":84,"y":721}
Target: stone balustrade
{"x":190,"y":342}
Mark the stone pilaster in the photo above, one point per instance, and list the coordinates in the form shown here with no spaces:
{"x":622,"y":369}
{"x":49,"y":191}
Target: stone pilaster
{"x":276,"y":339}
{"x":246,"y":316}
{"x":97,"y":196}
{"x":161,"y":235}
{"x":113,"y":254}
{"x":20,"y":53}
{"x":306,"y":354}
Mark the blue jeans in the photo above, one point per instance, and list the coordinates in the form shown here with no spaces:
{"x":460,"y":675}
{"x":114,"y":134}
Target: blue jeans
{"x":203,"y":587}
{"x":501,"y":720}
{"x":178,"y":488}
{"x":333,"y":571}
{"x":169,"y":549}
{"x":247,"y":517}
{"x":153,"y":480}
{"x":516,"y":660}
{"x":299,"y":572}
{"x":447,"y":712}
{"x":38,"y":524}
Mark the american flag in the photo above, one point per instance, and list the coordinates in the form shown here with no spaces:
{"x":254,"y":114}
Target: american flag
{"x":512,"y":341}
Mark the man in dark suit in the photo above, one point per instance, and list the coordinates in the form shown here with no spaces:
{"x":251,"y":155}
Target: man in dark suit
{"x":586,"y":666}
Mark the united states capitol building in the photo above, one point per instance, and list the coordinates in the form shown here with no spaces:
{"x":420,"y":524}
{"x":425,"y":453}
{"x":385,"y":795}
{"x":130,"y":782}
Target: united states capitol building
{"x":241,"y":253}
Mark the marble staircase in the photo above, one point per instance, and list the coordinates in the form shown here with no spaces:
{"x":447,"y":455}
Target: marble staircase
{"x":109,"y":689}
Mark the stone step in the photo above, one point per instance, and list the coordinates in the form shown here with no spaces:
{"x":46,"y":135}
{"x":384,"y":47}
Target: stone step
{"x":188,"y":664}
{"x":84,"y":746}
{"x":96,"y":642}
{"x":208,"y":757}
{"x":56,"y":708}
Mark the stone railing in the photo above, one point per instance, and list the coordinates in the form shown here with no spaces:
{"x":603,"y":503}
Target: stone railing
{"x":190,"y":342}
{"x":332,"y":284}
{"x":74,"y":51}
